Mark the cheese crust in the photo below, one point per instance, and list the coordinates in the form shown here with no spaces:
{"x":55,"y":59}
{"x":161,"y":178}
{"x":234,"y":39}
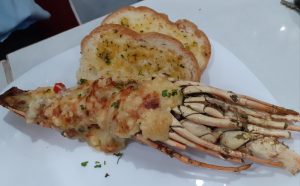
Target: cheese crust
{"x":104,"y":112}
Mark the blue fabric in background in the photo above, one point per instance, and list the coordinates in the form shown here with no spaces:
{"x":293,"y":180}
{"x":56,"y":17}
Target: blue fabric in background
{"x":18,"y":14}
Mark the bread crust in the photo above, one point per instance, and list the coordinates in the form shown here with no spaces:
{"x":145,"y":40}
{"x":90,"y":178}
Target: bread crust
{"x":206,"y":47}
{"x":179,"y":24}
{"x":195,"y":74}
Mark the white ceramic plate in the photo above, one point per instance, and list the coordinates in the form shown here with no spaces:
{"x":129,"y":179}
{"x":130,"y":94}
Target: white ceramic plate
{"x":33,"y":156}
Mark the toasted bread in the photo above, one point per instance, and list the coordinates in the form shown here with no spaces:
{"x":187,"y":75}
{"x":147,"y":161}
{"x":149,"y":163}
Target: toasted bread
{"x":118,"y":52}
{"x":144,"y":19}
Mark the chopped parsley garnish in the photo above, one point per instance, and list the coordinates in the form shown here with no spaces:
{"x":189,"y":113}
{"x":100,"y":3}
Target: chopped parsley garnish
{"x":97,"y":164}
{"x":82,"y":107}
{"x":81,"y":129}
{"x":124,"y":22}
{"x":174,"y":92}
{"x":244,"y":116}
{"x":48,"y":90}
{"x":84,"y":164}
{"x":140,"y":73}
{"x":119,"y":85}
{"x":115,"y":104}
{"x":82,"y":81}
{"x":234,"y":97}
{"x":164,"y":93}
{"x":105,"y":56}
{"x":106,"y":175}
{"x":107,"y":61}
{"x":119,"y":155}
{"x":241,"y":136}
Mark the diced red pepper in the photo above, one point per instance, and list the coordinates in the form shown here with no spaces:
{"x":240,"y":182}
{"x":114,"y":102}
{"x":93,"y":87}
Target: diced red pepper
{"x":58,"y":87}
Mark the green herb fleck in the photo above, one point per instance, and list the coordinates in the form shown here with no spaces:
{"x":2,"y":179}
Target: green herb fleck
{"x":106,"y":175}
{"x":107,"y":61}
{"x":81,"y":129}
{"x":82,"y":107}
{"x":97,"y":164}
{"x":174,"y":92}
{"x":48,"y":90}
{"x":116,"y":104}
{"x":244,"y":116}
{"x":84,"y":164}
{"x":124,"y":22}
{"x":164,"y":93}
{"x":119,"y":85}
{"x":140,"y":73}
{"x":119,"y":155}
{"x":242,"y":136}
{"x":105,"y":56}
{"x":82,"y":81}
{"x":234,"y":97}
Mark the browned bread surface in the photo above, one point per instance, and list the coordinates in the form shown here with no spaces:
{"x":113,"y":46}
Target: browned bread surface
{"x":144,"y":20}
{"x":115,"y":51}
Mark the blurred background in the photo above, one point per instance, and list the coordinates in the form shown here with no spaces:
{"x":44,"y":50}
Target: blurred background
{"x":64,"y":14}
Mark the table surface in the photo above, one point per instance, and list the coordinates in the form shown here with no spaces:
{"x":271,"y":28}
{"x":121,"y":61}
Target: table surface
{"x":264,"y":35}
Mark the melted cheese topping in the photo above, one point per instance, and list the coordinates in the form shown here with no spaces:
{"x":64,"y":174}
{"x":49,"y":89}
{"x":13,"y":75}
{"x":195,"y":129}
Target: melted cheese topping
{"x":105,"y":113}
